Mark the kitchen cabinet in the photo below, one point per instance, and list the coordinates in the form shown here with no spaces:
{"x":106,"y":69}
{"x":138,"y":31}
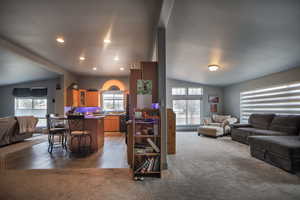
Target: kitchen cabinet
{"x":112,"y":123}
{"x":72,"y":97}
{"x":82,"y":98}
{"x":92,"y":98}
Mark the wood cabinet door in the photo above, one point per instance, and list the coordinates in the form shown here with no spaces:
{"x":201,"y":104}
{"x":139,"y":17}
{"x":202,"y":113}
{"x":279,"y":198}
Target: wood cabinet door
{"x":82,"y":98}
{"x":112,"y":124}
{"x":92,"y":98}
{"x":75,"y":98}
{"x":72,"y":98}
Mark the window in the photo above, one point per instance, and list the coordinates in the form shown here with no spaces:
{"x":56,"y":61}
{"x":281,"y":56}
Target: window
{"x":283,"y":99}
{"x":32,"y":106}
{"x":178,"y":91}
{"x":113,"y":101}
{"x":187,"y":112}
{"x":195,"y":91}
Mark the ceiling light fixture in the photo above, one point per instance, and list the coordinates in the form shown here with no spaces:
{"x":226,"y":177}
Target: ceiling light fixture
{"x":60,"y":40}
{"x":213,"y":68}
{"x":116,"y":58}
{"x":94,"y":68}
{"x":122,"y":69}
{"x":82,"y":58}
{"x":106,"y":41}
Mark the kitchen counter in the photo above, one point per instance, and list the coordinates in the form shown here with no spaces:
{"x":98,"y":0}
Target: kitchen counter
{"x":94,"y":124}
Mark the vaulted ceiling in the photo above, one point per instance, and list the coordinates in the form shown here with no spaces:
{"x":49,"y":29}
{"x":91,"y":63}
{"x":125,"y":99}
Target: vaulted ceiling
{"x":248,"y":39}
{"x":17,"y":69}
{"x":129,"y":24}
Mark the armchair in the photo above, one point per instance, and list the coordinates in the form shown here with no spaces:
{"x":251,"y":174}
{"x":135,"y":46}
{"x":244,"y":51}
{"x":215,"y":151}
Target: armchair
{"x":217,"y":125}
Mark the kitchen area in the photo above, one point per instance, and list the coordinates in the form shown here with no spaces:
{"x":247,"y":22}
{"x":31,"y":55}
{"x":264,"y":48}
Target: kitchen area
{"x":102,"y":103}
{"x":108,"y":102}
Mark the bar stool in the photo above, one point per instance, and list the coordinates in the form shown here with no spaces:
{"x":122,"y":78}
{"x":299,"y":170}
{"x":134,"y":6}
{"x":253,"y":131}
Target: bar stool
{"x":54,"y":130}
{"x":77,"y":131}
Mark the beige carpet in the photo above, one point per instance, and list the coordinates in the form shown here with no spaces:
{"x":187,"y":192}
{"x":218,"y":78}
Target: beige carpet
{"x":204,"y":168}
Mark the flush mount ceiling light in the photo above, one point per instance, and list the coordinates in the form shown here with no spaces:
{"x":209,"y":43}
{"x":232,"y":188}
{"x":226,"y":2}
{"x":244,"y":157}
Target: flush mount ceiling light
{"x":82,"y":58}
{"x":116,"y":58}
{"x":122,"y":69}
{"x":60,"y":40}
{"x":213,"y":68}
{"x":106,"y":41}
{"x":94,"y":68}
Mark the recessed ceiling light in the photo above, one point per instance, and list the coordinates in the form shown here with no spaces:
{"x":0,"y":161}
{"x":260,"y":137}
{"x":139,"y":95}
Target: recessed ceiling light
{"x":116,"y":58}
{"x":94,"y":68}
{"x":106,"y":41}
{"x":122,"y":69}
{"x":60,"y":40}
{"x":82,"y":58}
{"x":213,"y":68}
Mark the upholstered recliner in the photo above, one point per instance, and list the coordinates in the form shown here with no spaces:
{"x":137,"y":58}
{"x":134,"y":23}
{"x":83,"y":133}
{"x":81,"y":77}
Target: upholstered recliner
{"x":217,"y":125}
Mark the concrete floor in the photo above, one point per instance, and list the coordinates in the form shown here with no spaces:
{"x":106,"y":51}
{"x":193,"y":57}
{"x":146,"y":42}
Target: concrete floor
{"x":203,"y":168}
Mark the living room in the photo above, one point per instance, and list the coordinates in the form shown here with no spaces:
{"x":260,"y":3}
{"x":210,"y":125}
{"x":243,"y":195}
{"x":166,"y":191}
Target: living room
{"x":225,"y":75}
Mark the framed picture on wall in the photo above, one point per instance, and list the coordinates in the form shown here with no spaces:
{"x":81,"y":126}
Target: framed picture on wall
{"x":213,"y":99}
{"x":144,"y":87}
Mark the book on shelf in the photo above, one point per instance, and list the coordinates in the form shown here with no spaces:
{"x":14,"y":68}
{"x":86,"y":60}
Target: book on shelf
{"x":143,"y":148}
{"x":155,"y":129}
{"x":149,"y":165}
{"x":153,"y":145}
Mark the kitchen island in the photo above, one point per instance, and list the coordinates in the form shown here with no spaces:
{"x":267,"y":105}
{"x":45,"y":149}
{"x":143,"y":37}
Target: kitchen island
{"x":95,"y":125}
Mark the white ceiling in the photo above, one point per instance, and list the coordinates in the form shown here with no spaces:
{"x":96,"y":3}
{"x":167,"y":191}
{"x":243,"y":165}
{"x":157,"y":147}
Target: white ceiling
{"x":35,"y":24}
{"x":248,"y":39}
{"x":19,"y":69}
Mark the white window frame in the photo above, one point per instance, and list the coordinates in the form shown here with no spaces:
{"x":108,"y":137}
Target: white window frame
{"x":186,"y":109}
{"x":176,"y":91}
{"x":32,"y":109}
{"x":195,"y":88}
{"x":113,"y":99}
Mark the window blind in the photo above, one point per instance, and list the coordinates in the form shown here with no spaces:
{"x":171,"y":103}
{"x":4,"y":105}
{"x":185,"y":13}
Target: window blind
{"x":282,"y":99}
{"x":30,"y":92}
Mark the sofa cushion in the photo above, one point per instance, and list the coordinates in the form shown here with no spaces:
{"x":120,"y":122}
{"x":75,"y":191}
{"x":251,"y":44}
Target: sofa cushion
{"x":220,"y":118}
{"x":215,"y":124}
{"x":261,"y":121}
{"x":241,"y":134}
{"x":285,"y":146}
{"x":8,"y":127}
{"x":286,"y":123}
{"x":240,"y":125}
{"x":266,"y":132}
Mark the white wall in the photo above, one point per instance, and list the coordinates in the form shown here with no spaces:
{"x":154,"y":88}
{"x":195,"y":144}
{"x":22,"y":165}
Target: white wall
{"x":232,"y":93}
{"x":207,"y":91}
{"x":7,"y":99}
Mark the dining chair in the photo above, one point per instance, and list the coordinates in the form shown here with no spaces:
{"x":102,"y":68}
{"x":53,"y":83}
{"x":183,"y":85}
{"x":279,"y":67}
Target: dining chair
{"x":78,"y":131}
{"x":55,"y":128}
